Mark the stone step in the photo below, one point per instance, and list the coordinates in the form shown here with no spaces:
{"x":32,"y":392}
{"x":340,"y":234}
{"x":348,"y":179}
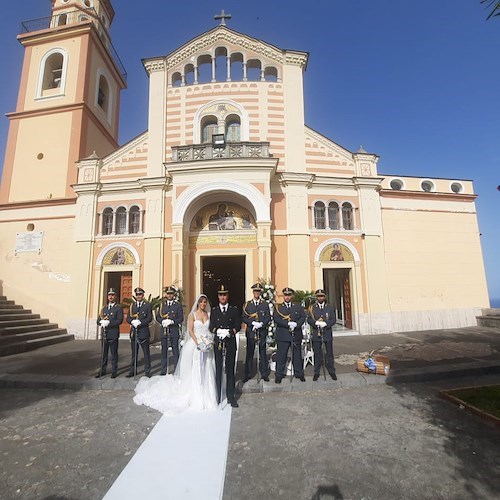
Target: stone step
{"x":22,"y":322}
{"x":2,"y":298}
{"x":9,"y":304}
{"x":492,"y":321}
{"x":491,"y":311}
{"x":30,"y":345}
{"x":20,"y":315}
{"x":14,"y":330}
{"x":23,"y":337}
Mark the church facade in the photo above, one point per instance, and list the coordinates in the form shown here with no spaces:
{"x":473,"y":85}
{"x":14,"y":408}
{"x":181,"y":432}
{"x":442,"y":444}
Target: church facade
{"x":226,"y":185}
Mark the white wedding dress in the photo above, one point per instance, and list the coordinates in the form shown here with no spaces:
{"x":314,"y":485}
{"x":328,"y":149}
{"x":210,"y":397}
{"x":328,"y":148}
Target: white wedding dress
{"x":191,"y":387}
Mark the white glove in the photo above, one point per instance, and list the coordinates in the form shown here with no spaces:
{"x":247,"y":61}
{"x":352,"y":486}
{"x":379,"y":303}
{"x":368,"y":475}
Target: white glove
{"x":318,"y":323}
{"x":322,"y":324}
{"x":222,"y":333}
{"x":104,"y":323}
{"x":136,"y":323}
{"x":166,"y":322}
{"x":292,"y":325}
{"x":256,"y":325}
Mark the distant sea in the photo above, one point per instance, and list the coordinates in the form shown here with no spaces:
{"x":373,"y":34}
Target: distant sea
{"x":495,"y":302}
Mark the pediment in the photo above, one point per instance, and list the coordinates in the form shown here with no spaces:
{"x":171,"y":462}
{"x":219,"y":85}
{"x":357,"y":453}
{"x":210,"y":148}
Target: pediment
{"x":210,"y":39}
{"x":314,"y":140}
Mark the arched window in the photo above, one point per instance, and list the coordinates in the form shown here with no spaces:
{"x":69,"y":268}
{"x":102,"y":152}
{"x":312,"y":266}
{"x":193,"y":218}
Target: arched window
{"x":271,"y":74}
{"x":204,"y":69}
{"x":233,"y":127}
{"x":396,"y":184}
{"x":176,"y":79}
{"x":347,"y":216}
{"x":237,"y":67}
{"x":319,"y":215}
{"x":427,"y":186}
{"x":189,"y":74}
{"x":208,"y":128}
{"x":134,"y":224}
{"x":121,"y":220}
{"x":52,"y":71}
{"x":62,"y":19}
{"x":333,"y":215}
{"x":103,"y":94}
{"x":253,"y":70}
{"x":457,"y":188}
{"x":107,"y":221}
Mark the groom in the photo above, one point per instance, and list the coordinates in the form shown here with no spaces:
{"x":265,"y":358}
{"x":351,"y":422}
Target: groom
{"x":225,"y":323}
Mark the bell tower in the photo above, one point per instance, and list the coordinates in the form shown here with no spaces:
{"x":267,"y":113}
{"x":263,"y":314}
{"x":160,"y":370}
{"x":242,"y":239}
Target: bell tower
{"x":68,"y":103}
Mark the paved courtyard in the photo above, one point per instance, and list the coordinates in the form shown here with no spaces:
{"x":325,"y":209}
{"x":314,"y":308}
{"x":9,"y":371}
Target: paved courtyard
{"x":374,"y":442}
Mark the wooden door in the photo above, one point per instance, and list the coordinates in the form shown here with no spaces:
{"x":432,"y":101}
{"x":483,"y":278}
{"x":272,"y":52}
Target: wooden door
{"x":125,"y":292}
{"x":347,"y":302}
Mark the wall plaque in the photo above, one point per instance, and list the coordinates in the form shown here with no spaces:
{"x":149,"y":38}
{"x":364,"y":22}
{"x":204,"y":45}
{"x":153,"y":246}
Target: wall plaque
{"x":29,"y":242}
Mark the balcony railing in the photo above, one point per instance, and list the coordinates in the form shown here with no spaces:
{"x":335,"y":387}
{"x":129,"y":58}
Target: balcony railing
{"x":200,"y":152}
{"x":71,"y":18}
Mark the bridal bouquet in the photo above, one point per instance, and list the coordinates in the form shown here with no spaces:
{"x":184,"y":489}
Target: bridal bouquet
{"x":206,"y":343}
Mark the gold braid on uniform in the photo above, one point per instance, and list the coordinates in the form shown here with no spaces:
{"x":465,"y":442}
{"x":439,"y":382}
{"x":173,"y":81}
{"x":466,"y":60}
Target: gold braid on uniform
{"x":253,"y":315}
{"x":165,"y":316}
{"x":311,"y":312}
{"x":102,"y":314}
{"x":286,"y":317}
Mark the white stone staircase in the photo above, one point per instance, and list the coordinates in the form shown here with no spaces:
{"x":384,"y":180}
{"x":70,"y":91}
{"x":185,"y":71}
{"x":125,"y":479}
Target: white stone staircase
{"x":21,"y":330}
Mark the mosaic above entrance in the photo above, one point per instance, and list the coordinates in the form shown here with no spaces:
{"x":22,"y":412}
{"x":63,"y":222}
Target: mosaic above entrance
{"x":336,"y":252}
{"x":118,"y":256}
{"x":223,"y":217}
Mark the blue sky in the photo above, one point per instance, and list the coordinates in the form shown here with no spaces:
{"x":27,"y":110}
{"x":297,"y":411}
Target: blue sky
{"x":414,"y":82}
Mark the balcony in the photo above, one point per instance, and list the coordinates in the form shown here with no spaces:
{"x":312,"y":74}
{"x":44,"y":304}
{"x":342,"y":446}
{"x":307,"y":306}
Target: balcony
{"x":72,"y":18}
{"x":211,"y":151}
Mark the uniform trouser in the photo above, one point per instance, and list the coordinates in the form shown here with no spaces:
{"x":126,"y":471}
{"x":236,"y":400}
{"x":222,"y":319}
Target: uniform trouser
{"x":318,"y":356}
{"x":230,"y":362}
{"x":173,"y":340}
{"x":110,"y":345}
{"x":263,"y":364}
{"x":281,"y":355}
{"x":135,"y":351}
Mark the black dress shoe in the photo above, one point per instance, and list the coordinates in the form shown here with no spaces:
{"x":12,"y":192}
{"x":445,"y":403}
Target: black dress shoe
{"x":246,"y":379}
{"x":316,"y":377}
{"x":148,"y":374}
{"x":277,"y":380}
{"x":265,"y":379}
{"x":114,"y":375}
{"x":100,"y":374}
{"x":162,"y":374}
{"x":302,"y":379}
{"x":234,"y":404}
{"x":129,"y":375}
{"x":333,"y":376}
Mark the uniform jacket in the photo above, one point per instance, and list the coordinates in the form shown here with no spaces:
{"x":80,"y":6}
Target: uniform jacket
{"x":115,"y":317}
{"x":231,"y":319}
{"x":145,"y":315}
{"x":173,"y":312}
{"x":260,"y":313}
{"x":328,"y":314}
{"x":297,"y":314}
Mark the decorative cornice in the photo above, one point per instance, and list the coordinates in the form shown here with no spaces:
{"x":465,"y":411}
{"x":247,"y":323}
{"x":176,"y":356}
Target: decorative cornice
{"x":38,"y":203}
{"x":289,"y":178}
{"x":424,"y":195}
{"x":152,"y":65}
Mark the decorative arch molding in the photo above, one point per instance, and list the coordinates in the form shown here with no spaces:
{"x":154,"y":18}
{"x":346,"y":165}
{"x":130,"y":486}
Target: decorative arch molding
{"x":222,"y":108}
{"x":339,"y":241}
{"x":118,"y":244}
{"x":41,"y":73}
{"x":247,"y":191}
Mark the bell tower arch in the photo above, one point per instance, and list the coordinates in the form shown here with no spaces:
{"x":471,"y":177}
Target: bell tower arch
{"x":68,"y":102}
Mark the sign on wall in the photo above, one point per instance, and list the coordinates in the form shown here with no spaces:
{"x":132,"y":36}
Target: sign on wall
{"x":29,"y":242}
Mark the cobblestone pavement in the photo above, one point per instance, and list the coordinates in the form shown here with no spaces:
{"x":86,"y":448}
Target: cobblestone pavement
{"x":67,"y":445}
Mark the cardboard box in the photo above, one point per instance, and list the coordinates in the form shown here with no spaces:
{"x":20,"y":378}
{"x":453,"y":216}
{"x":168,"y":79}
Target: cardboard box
{"x":382,"y":364}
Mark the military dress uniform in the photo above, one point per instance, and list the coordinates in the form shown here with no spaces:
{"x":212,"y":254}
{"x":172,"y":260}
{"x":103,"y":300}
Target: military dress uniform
{"x":225,"y":317}
{"x":110,"y":334}
{"x":170,"y":310}
{"x":287,"y":338}
{"x":325,"y":313}
{"x":142,"y":311}
{"x":256,"y":311}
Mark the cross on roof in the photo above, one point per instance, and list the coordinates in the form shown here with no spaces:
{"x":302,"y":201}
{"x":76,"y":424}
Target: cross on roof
{"x":222,"y":16}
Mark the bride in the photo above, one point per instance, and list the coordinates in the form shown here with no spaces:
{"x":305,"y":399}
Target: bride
{"x":193,"y":384}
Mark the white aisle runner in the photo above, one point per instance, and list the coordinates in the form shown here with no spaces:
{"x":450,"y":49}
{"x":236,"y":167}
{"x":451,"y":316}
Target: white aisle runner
{"x":184,"y":457}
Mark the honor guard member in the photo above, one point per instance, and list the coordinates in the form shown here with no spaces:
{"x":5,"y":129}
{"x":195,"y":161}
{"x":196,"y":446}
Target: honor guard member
{"x":257,"y":317}
{"x":170,"y":316}
{"x":225,"y":323}
{"x":321,"y":317}
{"x":110,"y":319}
{"x":139,"y":317}
{"x":289,"y":318}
